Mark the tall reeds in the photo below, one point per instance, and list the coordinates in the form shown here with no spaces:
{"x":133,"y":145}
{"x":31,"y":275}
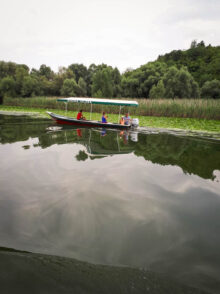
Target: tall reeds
{"x":187,"y":108}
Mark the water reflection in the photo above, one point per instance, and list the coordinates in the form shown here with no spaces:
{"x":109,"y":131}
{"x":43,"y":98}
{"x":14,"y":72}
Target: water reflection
{"x":193,"y":155}
{"x":149,"y":202}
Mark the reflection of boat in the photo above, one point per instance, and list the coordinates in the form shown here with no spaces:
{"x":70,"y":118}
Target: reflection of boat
{"x":92,"y":123}
{"x":98,"y":144}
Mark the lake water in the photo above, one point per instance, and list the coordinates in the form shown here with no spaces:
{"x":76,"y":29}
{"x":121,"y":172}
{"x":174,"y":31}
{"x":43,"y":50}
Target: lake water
{"x":145,"y":199}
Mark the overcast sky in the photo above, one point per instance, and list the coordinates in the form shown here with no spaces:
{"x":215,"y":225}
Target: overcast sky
{"x":122,"y":33}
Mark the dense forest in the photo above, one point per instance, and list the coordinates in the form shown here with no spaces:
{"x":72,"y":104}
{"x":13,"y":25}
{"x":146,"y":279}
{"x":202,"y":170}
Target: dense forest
{"x":191,"y":73}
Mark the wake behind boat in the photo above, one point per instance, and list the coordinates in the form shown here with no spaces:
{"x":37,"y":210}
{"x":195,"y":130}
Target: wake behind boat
{"x":60,"y":119}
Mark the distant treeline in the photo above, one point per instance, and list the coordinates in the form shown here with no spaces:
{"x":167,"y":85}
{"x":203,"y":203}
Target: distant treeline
{"x":192,"y":73}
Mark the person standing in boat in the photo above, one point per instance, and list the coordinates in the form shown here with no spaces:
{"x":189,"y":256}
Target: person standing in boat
{"x":80,"y":115}
{"x":104,"y":118}
{"x":127,"y":119}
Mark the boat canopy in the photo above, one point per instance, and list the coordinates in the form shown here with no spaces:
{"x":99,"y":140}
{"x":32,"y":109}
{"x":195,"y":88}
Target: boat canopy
{"x":99,"y":101}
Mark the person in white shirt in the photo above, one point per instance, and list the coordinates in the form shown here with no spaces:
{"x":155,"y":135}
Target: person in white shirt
{"x":127,"y":119}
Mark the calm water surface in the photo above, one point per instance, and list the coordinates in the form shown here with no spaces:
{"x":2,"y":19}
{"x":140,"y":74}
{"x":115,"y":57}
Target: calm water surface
{"x":147,"y":200}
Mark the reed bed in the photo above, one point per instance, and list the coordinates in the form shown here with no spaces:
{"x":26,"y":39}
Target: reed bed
{"x":183,"y":108}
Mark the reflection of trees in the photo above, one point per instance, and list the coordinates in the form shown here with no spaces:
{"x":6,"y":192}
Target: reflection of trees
{"x":193,"y":155}
{"x":81,"y":156}
{"x":20,"y":128}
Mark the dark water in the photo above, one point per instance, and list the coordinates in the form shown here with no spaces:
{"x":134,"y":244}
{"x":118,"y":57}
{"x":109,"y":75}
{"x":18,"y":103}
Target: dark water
{"x":144,"y":200}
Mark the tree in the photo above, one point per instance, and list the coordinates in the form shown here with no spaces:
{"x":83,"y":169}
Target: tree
{"x":139,"y":82}
{"x":201,"y":44}
{"x":69,"y":88}
{"x":102,"y":84}
{"x":79,"y":70}
{"x":129,"y":86}
{"x":30,"y":87}
{"x":180,"y":84}
{"x":7,"y":87}
{"x":47,"y":86}
{"x":157,"y":91}
{"x":7,"y":69}
{"x":193,"y":44}
{"x":211,"y":89}
{"x":20,"y":74}
{"x":202,"y":62}
{"x":116,"y":77}
{"x":83,"y":87}
{"x":46,"y":72}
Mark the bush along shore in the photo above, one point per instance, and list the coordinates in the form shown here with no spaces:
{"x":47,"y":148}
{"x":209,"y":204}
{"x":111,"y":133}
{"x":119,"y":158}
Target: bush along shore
{"x":189,"y":124}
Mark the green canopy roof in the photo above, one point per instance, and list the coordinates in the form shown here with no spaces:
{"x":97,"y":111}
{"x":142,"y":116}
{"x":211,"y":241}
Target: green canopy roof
{"x":99,"y":101}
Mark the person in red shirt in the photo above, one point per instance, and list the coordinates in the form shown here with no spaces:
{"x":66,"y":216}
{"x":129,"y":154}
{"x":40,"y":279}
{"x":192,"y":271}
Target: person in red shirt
{"x":80,"y":115}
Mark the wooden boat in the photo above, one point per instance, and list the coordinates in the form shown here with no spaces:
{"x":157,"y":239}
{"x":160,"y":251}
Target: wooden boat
{"x":84,"y":122}
{"x":92,"y":123}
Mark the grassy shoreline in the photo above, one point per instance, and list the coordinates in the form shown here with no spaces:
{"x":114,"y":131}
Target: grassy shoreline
{"x":189,"y":124}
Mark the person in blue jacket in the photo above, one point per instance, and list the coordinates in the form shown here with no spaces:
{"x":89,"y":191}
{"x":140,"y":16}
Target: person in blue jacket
{"x":104,"y":118}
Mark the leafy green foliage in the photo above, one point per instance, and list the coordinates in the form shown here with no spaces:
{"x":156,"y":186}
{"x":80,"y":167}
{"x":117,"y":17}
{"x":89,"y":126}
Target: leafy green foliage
{"x":79,"y":70}
{"x":46,"y":72}
{"x":157,"y":80}
{"x":178,"y":74}
{"x":157,"y":91}
{"x":7,"y":87}
{"x":30,"y":87}
{"x":69,"y":88}
{"x":139,"y":82}
{"x":180,"y":83}
{"x":203,"y":62}
{"x":82,"y":87}
{"x":211,"y":89}
{"x":20,"y":74}
{"x":102,"y":83}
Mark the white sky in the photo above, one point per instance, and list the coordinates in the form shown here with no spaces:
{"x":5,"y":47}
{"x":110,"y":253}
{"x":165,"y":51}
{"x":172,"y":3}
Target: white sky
{"x":122,"y":33}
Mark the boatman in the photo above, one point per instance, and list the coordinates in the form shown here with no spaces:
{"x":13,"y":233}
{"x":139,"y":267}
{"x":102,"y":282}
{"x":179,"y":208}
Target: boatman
{"x":80,"y":115}
{"x":127,"y":119}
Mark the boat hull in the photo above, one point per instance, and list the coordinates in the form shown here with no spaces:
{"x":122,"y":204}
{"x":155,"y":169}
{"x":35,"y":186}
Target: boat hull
{"x":86,"y":123}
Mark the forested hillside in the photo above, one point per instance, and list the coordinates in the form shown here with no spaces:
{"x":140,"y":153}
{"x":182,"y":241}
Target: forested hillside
{"x":203,"y":62}
{"x":191,"y":73}
{"x":182,"y":74}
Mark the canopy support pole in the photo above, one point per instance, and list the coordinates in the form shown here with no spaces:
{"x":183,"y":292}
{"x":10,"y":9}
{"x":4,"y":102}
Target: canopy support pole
{"x":89,"y":147}
{"x":119,"y":114}
{"x":91,"y":111}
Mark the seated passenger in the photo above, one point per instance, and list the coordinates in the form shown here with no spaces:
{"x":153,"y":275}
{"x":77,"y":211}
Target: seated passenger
{"x":104,"y":118}
{"x":80,"y":115}
{"x":127,"y":119}
{"x":122,"y":122}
